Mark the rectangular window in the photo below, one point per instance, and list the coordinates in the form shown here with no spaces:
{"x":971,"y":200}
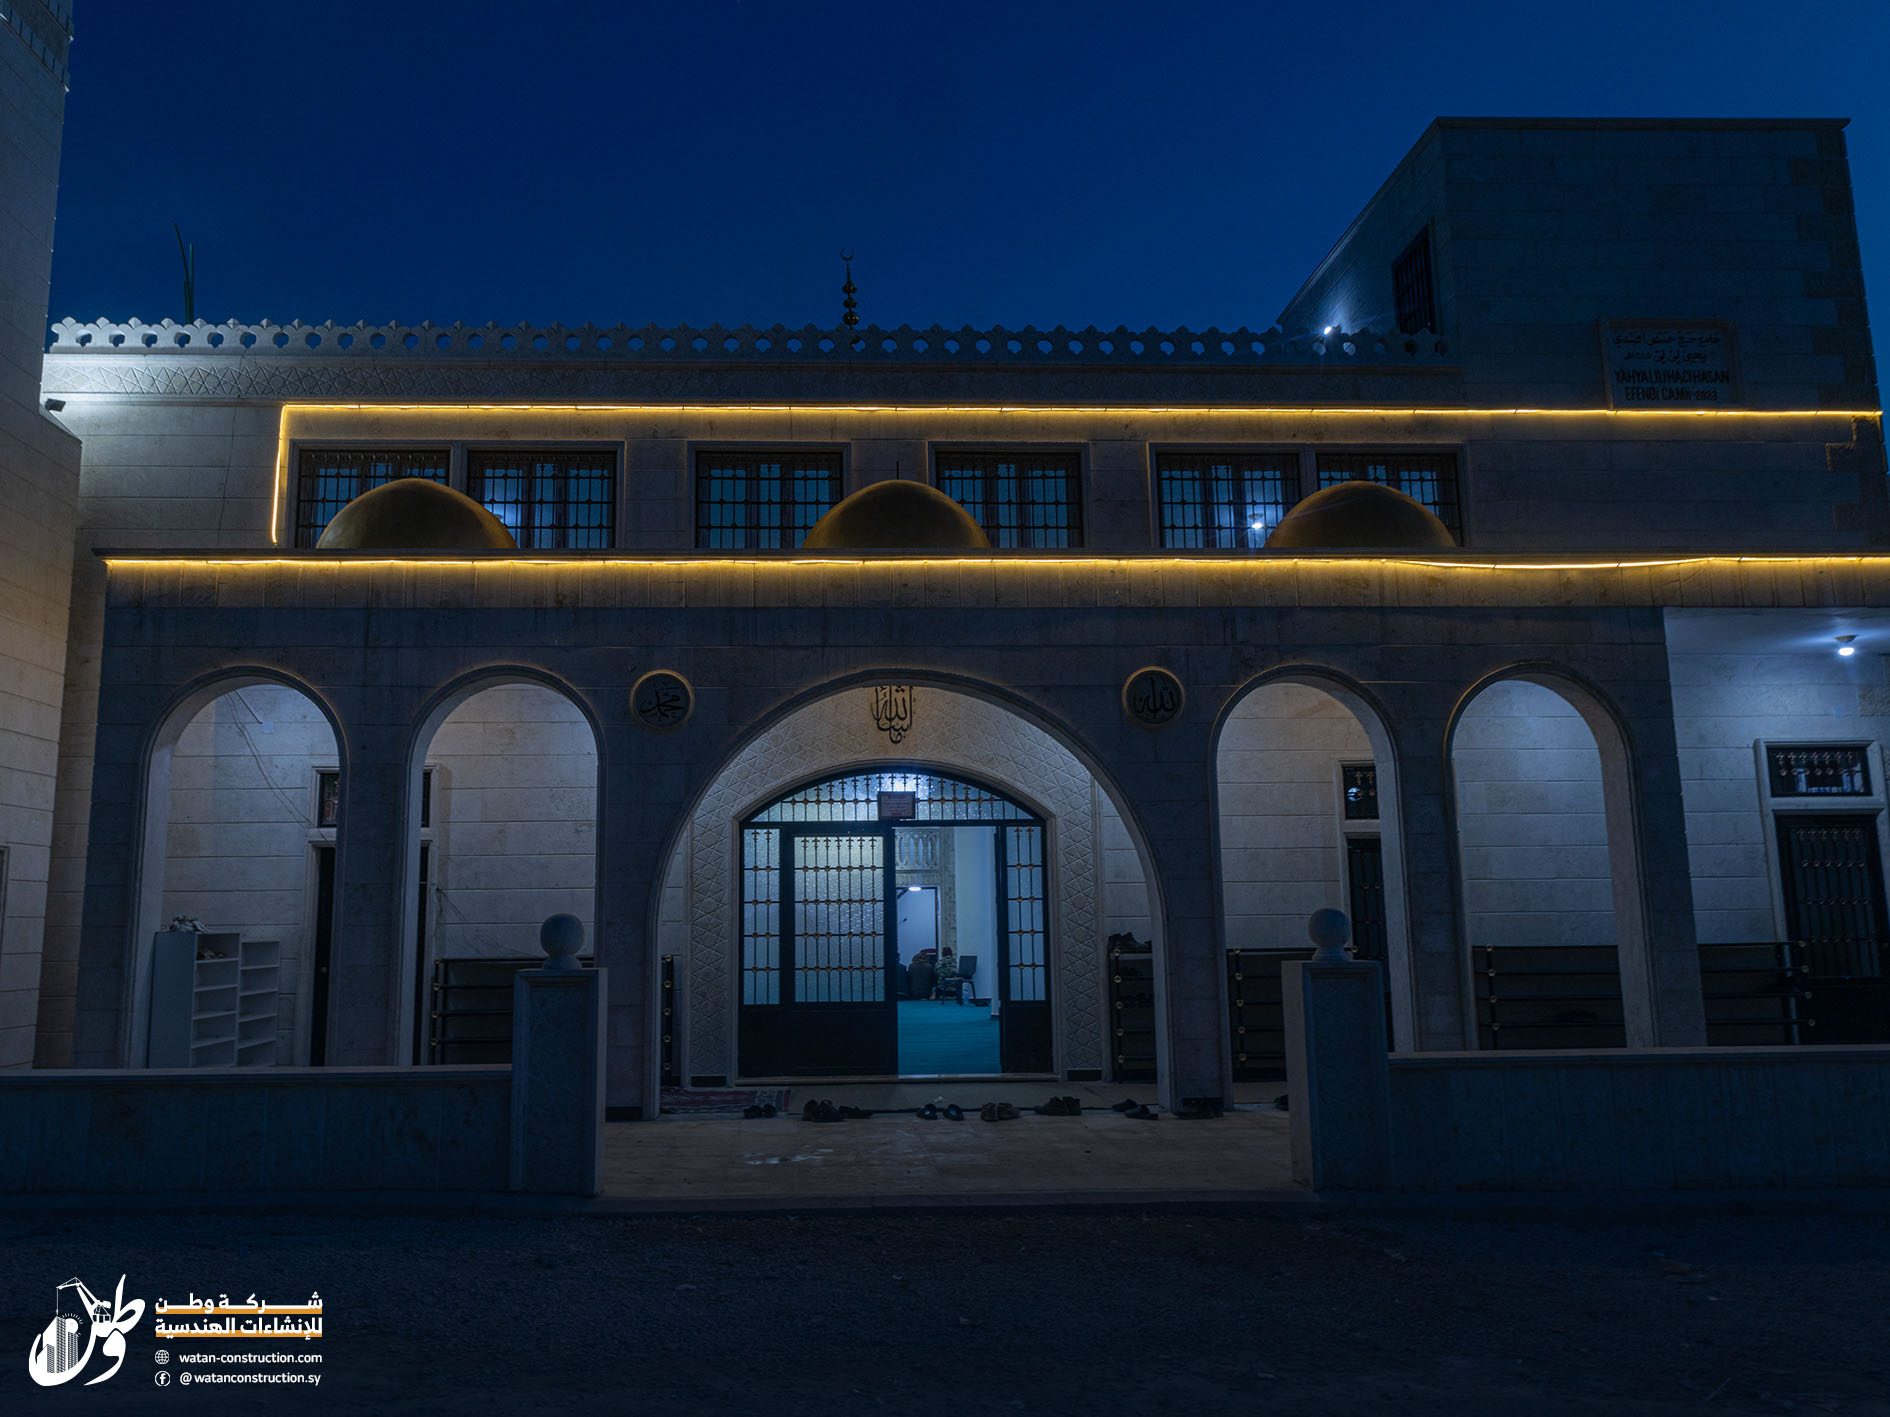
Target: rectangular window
{"x":762,"y":501}
{"x":1224,"y":501}
{"x":327,"y":798}
{"x":549,"y":501}
{"x":1429,"y":477}
{"x":329,"y":478}
{"x":1361,"y":791}
{"x":1031,"y":500}
{"x":1818,"y":769}
{"x":1413,"y":290}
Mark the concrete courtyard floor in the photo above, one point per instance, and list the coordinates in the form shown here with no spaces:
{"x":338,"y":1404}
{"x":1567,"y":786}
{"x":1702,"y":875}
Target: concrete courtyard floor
{"x":947,"y":1313}
{"x":895,"y":1159}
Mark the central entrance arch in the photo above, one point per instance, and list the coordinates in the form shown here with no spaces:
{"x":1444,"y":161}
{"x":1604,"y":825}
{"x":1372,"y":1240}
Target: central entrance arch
{"x":894,"y":922}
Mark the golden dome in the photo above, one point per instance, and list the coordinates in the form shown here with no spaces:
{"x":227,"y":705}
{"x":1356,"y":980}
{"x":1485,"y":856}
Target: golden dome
{"x":1360,"y":516}
{"x":415,"y":514}
{"x":897,"y":515}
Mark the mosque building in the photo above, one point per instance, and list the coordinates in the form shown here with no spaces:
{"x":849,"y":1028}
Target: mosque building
{"x":990,"y":703}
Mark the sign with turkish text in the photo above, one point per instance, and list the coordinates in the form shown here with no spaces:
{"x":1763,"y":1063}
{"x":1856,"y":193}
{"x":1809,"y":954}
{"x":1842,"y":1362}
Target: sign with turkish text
{"x":1668,"y":364}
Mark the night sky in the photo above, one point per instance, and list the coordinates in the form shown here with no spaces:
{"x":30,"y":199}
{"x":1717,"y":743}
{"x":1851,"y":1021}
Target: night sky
{"x":1139,"y":164}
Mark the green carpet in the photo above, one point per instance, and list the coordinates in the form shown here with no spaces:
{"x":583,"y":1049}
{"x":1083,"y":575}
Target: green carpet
{"x":941,"y":1037}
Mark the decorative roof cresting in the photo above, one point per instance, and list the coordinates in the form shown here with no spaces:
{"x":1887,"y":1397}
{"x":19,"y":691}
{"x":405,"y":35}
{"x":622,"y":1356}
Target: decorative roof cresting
{"x":663,"y":344}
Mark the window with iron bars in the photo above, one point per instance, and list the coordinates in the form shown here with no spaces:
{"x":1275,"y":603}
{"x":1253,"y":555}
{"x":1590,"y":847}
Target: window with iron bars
{"x":1431,"y":478}
{"x":1224,"y":501}
{"x":548,"y":500}
{"x":1029,"y":500}
{"x":1414,"y":293}
{"x":327,"y":479}
{"x":763,"y":500}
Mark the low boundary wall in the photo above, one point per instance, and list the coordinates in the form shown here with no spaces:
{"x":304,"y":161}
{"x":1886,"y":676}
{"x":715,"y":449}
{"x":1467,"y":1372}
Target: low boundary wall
{"x":1653,"y":1119}
{"x":260,"y":1129}
{"x":535,"y":1125}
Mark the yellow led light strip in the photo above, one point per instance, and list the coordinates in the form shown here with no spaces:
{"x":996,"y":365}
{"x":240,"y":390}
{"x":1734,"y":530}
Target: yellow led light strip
{"x":1088,"y":410}
{"x":682,"y":562}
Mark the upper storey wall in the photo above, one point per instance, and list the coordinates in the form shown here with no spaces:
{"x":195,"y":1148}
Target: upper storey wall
{"x":1543,"y":229}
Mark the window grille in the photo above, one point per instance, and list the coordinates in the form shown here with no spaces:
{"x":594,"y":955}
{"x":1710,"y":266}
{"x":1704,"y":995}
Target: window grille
{"x":1024,"y":499}
{"x":1024,"y":912}
{"x":1224,"y":501}
{"x":1413,"y":290}
{"x":856,"y":799}
{"x":549,"y":501}
{"x":328,"y":479}
{"x":1361,"y":791}
{"x":762,"y":501}
{"x":1818,"y":769}
{"x":839,"y":919}
{"x":1431,"y":478}
{"x":761,"y":916}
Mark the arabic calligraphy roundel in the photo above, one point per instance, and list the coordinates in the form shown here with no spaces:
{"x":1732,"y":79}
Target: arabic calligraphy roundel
{"x":1153,"y":697}
{"x":662,"y":700}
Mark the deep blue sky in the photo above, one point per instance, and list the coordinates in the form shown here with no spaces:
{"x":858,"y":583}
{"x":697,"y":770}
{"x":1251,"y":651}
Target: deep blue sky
{"x":1147,"y":163}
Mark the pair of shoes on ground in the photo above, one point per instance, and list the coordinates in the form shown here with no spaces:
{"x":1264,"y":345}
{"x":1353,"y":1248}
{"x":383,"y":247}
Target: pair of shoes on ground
{"x":998,"y":1112}
{"x":825,"y":1111}
{"x":1060,"y":1107}
{"x":1139,"y":1111}
{"x":951,"y":1112}
{"x":758,"y":1109}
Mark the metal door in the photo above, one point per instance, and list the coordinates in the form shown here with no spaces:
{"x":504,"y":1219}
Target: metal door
{"x":819,"y":953}
{"x":1365,"y":879}
{"x":1832,"y":871}
{"x":1024,"y":1028}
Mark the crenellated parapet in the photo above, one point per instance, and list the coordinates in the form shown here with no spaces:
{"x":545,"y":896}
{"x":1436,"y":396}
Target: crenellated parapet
{"x":715,"y":363}
{"x":773,"y":344}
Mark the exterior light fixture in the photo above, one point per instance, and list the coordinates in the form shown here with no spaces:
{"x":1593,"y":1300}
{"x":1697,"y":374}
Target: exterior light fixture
{"x":1256,"y":526}
{"x":1327,"y":330}
{"x":1845,"y":648}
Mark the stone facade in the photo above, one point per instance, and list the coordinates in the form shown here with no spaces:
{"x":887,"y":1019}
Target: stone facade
{"x":39,"y":474}
{"x":1563,"y":714}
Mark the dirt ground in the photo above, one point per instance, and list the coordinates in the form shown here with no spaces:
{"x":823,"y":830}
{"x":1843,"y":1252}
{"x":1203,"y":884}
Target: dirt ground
{"x":967,"y":1312}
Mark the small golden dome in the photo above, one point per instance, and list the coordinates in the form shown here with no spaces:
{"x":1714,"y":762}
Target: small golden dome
{"x":415,"y":514}
{"x":897,"y":515}
{"x":1360,"y":516}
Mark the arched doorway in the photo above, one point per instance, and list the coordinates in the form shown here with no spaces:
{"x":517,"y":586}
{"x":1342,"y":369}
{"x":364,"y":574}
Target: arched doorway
{"x":1097,"y":882}
{"x":242,"y":807}
{"x":894,"y":923}
{"x":1548,"y":869}
{"x":502,"y":833}
{"x":1307,"y":805}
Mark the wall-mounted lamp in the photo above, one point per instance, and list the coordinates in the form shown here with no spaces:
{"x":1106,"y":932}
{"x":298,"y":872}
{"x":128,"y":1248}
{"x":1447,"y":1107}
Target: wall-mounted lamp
{"x":1845,"y":648}
{"x":55,"y":405}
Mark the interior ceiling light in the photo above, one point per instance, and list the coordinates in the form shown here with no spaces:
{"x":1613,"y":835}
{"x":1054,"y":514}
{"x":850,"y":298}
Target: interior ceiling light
{"x":1845,"y":648}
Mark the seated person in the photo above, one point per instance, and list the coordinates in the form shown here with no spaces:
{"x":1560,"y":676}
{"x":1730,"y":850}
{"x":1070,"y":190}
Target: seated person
{"x":922,"y":975}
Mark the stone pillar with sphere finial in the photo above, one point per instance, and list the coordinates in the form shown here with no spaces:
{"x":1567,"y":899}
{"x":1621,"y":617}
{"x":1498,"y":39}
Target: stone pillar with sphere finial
{"x":1338,"y":1082}
{"x":558,"y":1068}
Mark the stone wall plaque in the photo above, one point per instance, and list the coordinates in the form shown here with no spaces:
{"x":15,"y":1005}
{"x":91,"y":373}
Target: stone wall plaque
{"x":1153,"y":697}
{"x":662,"y":700}
{"x":1668,"y":363}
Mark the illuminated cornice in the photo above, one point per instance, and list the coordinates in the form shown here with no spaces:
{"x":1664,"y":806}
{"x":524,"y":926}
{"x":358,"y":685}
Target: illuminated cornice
{"x":1257,"y":563}
{"x":986,"y":410}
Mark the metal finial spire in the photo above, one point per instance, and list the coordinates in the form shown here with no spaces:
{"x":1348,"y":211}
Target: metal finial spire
{"x":852,"y":316}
